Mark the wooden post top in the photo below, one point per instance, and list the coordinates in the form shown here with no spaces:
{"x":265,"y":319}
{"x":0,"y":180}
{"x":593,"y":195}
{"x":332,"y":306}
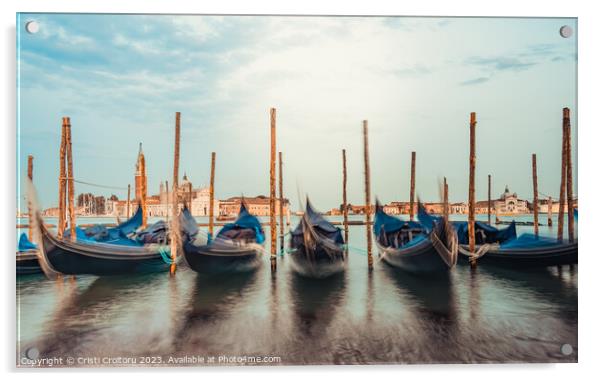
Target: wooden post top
{"x":566,"y":112}
{"x":473,"y":117}
{"x":66,"y":121}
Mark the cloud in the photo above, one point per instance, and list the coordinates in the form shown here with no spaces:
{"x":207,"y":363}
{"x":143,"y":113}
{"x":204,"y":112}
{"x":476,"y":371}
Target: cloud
{"x":475,"y":81}
{"x":501,"y":63}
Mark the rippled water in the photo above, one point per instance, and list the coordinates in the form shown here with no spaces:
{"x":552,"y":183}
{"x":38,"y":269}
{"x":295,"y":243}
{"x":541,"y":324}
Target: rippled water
{"x":360,"y":317}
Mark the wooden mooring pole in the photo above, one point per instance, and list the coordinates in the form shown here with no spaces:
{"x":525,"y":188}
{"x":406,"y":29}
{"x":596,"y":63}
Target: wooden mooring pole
{"x":412,"y":185}
{"x":281,"y":203}
{"x":471,"y":189}
{"x":273,"y":184}
{"x":143,"y":191}
{"x":445,"y":199}
{"x":167,"y":192}
{"x":30,"y":167}
{"x":368,"y":208}
{"x":211,"y":194}
{"x":174,"y":197}
{"x":535,"y":197}
{"x":569,"y":175}
{"x":549,"y":210}
{"x":489,"y":199}
{"x":62,"y":179}
{"x":128,"y":202}
{"x":345,"y":210}
{"x":562,"y":198}
{"x":30,"y":177}
{"x":70,"y":182}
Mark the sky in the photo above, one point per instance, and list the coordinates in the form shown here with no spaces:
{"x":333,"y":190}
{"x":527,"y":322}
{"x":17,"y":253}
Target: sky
{"x":121,"y":78}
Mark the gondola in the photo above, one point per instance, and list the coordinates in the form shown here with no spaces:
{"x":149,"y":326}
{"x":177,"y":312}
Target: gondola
{"x":238,"y":247}
{"x":99,"y":258}
{"x":502,"y":247}
{"x":526,"y":251}
{"x":27,"y":257}
{"x":316,"y":246}
{"x":430,"y":246}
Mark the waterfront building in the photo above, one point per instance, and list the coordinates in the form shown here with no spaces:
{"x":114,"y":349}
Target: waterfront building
{"x":259,"y":206}
{"x":509,"y":203}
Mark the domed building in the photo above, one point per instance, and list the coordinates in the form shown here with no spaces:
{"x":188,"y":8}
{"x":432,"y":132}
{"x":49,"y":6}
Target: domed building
{"x":509,"y":203}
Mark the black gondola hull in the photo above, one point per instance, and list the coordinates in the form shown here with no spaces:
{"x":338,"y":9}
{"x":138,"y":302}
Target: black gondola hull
{"x":516,"y":258}
{"x":72,"y":258}
{"x":27,"y":263}
{"x":207,"y":259}
{"x":319,"y":263}
{"x":422,"y":258}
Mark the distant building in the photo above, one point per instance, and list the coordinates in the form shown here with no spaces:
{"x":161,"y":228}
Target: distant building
{"x":259,"y":206}
{"x":509,"y":203}
{"x":458,"y":208}
{"x":140,"y":180}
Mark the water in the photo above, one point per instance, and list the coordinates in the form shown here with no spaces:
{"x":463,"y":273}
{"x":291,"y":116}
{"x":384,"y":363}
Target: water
{"x":360,"y":317}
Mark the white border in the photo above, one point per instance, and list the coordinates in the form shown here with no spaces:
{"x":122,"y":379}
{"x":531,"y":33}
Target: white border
{"x":589,"y":162}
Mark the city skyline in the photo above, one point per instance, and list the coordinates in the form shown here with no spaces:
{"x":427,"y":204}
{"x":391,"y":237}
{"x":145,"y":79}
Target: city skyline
{"x":414,"y":79}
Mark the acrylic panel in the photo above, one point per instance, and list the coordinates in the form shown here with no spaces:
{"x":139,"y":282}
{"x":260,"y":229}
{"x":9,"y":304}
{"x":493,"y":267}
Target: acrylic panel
{"x":222,"y":190}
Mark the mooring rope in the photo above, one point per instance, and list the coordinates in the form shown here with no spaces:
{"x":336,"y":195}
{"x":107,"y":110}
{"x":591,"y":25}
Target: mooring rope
{"x":165,"y":252}
{"x":482,"y":250}
{"x":97,"y":185}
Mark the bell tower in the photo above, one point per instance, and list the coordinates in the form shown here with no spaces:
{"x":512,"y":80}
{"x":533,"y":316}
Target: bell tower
{"x":140,"y":176}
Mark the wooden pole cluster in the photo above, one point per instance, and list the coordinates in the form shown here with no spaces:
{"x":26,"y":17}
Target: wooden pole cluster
{"x":562,"y":198}
{"x":471,"y":188}
{"x":445,"y":199}
{"x":281,"y":203}
{"x":211,"y":194}
{"x":128,"y":202}
{"x":412,"y":185}
{"x":30,"y":177}
{"x":345,"y":211}
{"x":569,"y":174}
{"x":489,"y":199}
{"x":368,"y":208}
{"x":62,"y":179}
{"x":535,"y":197}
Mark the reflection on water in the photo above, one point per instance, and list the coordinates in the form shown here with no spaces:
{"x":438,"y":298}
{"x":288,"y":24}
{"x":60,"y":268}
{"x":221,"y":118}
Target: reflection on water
{"x":382,"y":316}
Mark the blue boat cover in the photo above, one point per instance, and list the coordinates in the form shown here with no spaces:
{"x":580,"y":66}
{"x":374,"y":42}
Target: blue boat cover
{"x":118,"y":235}
{"x":485,"y":233}
{"x":188,"y":224}
{"x":128,"y":227}
{"x":155,"y":233}
{"x":244,"y":221}
{"x":426,"y":220}
{"x":25,"y":244}
{"x":318,"y":222}
{"x":383,"y":221}
{"x":528,"y":240}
